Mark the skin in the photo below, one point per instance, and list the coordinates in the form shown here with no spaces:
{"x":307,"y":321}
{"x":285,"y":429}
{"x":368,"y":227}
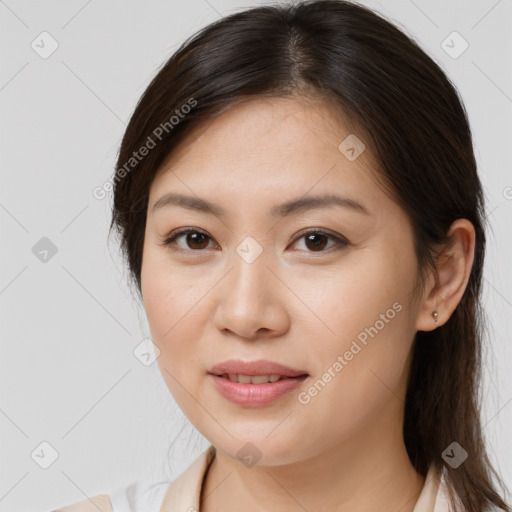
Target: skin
{"x":343,"y":451}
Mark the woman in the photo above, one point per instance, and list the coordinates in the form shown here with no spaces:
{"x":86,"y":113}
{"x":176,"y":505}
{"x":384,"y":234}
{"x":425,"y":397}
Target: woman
{"x":298,"y":201}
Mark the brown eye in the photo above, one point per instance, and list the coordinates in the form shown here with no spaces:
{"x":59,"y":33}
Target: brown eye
{"x":317,"y":241}
{"x":194,"y":239}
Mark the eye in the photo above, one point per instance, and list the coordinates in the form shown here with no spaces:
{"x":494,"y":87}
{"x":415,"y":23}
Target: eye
{"x":314,"y":240}
{"x":195,"y":239}
{"x":317,"y":240}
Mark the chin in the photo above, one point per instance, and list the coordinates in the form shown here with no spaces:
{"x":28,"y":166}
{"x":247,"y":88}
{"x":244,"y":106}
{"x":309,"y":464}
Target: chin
{"x":261,"y":451}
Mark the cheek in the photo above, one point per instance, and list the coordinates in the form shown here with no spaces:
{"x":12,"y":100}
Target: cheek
{"x":367,"y":342}
{"x":175,"y":314}
{"x":173,"y":308}
{"x":356,"y":300}
{"x":171,"y":295}
{"x":362,"y":380}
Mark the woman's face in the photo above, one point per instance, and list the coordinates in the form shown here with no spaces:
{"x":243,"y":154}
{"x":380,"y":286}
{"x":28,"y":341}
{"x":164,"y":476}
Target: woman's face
{"x":322,"y":289}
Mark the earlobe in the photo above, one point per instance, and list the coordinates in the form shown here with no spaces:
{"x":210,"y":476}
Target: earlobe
{"x":451,"y":276}
{"x":429,"y":319}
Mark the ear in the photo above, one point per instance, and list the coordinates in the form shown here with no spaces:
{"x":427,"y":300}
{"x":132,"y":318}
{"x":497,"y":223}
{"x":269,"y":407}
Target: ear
{"x":448,"y":283}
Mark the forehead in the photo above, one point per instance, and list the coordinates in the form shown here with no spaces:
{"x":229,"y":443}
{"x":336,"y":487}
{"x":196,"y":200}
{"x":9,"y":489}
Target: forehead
{"x":271,"y":146}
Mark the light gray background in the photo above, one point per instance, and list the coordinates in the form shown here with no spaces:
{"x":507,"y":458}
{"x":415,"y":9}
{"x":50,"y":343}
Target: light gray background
{"x":69,"y":326}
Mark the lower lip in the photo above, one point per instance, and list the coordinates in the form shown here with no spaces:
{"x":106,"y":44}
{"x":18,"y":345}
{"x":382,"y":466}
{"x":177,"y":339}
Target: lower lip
{"x":255,"y":395}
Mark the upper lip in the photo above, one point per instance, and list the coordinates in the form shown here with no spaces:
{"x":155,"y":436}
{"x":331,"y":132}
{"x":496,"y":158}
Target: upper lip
{"x":260,"y":367}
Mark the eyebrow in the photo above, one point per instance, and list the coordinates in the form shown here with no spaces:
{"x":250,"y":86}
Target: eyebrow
{"x":281,"y":210}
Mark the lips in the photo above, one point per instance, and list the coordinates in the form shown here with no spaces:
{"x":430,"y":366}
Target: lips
{"x":242,"y":382}
{"x":253,"y":368}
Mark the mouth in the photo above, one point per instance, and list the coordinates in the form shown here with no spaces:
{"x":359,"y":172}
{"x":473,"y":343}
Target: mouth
{"x":255,"y":383}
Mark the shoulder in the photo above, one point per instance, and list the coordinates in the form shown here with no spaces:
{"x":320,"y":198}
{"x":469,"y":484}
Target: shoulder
{"x":98,"y":503}
{"x":152,"y":496}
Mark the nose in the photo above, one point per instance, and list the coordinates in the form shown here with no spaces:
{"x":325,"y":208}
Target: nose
{"x":251,"y":301}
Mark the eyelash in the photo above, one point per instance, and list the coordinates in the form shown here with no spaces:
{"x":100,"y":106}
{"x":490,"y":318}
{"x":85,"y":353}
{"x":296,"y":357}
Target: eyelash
{"x":341,"y":243}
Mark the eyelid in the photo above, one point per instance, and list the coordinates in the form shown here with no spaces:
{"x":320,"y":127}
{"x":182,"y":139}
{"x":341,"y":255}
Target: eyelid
{"x":320,"y":231}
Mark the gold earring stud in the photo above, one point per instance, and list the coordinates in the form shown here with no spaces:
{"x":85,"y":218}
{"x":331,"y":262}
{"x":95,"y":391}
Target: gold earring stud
{"x":435,"y":315}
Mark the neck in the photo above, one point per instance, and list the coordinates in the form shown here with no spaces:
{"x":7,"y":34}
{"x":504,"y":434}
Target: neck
{"x":371,"y":473}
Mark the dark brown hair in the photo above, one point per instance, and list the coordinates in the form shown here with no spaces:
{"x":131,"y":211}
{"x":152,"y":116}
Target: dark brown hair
{"x":411,"y":118}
